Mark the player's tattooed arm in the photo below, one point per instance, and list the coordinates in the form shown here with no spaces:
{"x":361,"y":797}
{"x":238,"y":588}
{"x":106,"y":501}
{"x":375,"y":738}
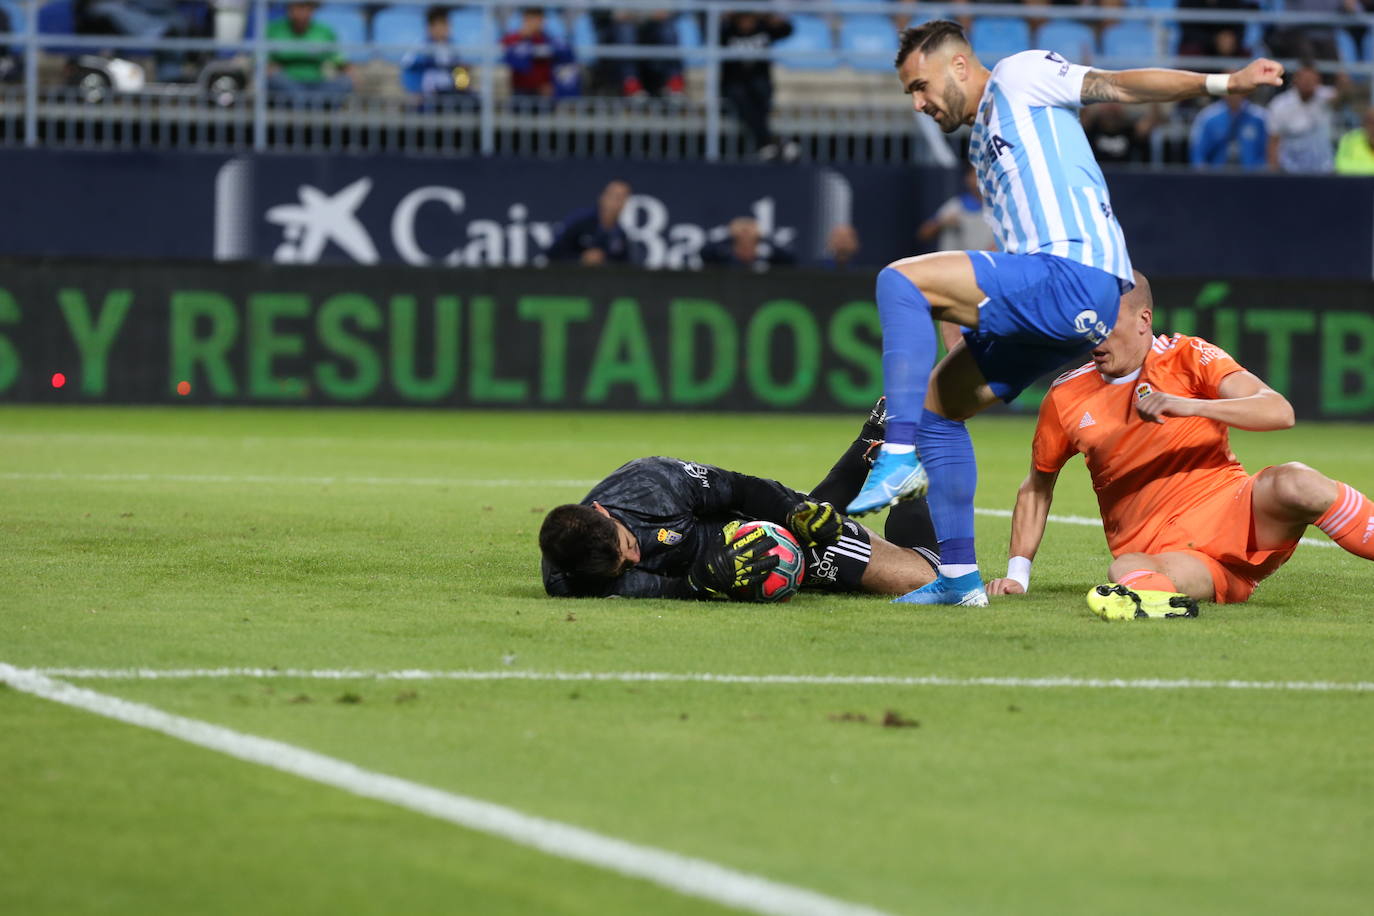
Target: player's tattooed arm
{"x":1156,"y":84}
{"x":1100,"y":86}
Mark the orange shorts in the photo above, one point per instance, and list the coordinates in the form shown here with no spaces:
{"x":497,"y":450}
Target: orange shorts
{"x":1221,"y":533}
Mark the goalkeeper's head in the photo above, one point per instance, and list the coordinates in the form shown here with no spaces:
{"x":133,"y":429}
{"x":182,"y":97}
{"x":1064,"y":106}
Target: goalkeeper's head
{"x":587,"y":541}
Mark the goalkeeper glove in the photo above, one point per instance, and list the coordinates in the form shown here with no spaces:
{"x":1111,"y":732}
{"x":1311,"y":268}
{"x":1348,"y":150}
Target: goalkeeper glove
{"x":725,"y":566}
{"x":815,"y":524}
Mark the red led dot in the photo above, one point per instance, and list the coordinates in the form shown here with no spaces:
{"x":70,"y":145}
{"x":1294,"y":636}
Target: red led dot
{"x":183,"y":388}
{"x":58,"y":380}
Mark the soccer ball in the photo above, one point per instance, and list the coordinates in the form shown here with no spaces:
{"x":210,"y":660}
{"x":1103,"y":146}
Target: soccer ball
{"x":784,"y":581}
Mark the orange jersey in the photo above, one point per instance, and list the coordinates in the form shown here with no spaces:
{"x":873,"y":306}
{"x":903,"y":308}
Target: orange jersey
{"x":1148,"y":476}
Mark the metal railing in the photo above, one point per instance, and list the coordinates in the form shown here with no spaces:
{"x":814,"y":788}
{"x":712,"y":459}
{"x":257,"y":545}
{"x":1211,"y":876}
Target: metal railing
{"x":874,"y":123}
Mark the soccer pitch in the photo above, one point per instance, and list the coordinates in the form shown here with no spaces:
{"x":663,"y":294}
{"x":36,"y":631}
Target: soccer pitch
{"x":837,"y":754}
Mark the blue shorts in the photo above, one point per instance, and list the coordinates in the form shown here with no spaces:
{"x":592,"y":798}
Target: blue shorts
{"x":1042,"y":311}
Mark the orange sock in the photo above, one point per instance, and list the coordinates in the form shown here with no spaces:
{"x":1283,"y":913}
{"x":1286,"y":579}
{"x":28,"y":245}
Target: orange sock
{"x":1350,"y":521}
{"x":1147,"y":580}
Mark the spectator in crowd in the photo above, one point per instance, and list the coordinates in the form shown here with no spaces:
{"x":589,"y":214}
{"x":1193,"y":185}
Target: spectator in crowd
{"x":10,"y":63}
{"x":433,"y":70}
{"x":1214,"y":39}
{"x":1309,"y":42}
{"x":959,"y":222}
{"x":143,"y":19}
{"x":841,"y":247}
{"x":594,"y":236}
{"x":638,"y":78}
{"x":748,"y":84}
{"x":1231,"y":131}
{"x":1355,"y":153}
{"x":745,"y":248}
{"x":1300,"y":124}
{"x":1116,"y":137}
{"x":306,"y":73}
{"x":541,"y":66}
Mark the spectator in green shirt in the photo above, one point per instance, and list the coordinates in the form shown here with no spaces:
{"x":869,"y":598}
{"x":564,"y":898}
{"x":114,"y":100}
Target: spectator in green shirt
{"x":1355,"y":153}
{"x":305,"y":72}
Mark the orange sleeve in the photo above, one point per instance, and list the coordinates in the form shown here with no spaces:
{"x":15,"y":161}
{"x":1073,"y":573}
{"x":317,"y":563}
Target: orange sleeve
{"x":1208,"y":364}
{"x":1051,"y":447}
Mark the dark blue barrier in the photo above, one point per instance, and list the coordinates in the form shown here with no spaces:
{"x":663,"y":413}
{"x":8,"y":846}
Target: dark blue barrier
{"x":500,"y":212}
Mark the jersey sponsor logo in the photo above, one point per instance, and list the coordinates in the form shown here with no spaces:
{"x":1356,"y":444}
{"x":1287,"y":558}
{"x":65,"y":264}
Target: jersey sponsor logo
{"x":1087,"y":420}
{"x":1064,"y":65}
{"x":998,"y":144}
{"x":1207,"y":351}
{"x":697,"y":471}
{"x":669,"y":537}
{"x":823,"y":567}
{"x":1087,"y":324}
{"x":1143,"y":389}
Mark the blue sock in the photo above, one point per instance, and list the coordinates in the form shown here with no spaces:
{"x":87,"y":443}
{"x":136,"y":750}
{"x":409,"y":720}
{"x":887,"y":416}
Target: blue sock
{"x":947,"y":454}
{"x":908,"y":353}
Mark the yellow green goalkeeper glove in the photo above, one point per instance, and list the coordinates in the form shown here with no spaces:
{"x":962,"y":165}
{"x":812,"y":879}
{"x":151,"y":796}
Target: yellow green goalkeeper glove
{"x":815,"y":524}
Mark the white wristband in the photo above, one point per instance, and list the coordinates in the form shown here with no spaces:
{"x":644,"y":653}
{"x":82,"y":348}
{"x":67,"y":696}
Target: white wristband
{"x":1018,"y":571}
{"x":1218,"y":84}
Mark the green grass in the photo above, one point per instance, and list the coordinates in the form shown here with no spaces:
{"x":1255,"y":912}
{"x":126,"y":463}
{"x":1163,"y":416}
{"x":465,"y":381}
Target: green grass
{"x":302,"y":539}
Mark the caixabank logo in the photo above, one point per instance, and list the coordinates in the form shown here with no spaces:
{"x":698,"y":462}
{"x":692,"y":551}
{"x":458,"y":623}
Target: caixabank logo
{"x":280,"y":211}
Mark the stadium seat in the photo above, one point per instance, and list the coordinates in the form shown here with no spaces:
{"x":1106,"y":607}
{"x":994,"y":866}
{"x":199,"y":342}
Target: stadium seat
{"x":1154,"y":4}
{"x":1346,"y":49}
{"x":350,"y":25}
{"x":402,"y":26}
{"x":1369,"y":45}
{"x":15,"y":13}
{"x":1133,"y":42}
{"x":994,"y":37}
{"x":689,"y":39}
{"x":1072,"y":40}
{"x":471,"y":31}
{"x":809,"y":33}
{"x":583,"y":36}
{"x":869,"y":42}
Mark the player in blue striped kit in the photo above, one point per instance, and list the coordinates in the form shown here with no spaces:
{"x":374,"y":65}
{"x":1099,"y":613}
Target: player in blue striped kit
{"x":1048,"y":297}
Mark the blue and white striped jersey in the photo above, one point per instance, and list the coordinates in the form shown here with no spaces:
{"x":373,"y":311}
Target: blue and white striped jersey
{"x":1043,"y":190}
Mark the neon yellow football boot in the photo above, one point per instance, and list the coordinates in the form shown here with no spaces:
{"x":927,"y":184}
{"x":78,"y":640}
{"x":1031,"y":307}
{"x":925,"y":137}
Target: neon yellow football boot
{"x":1117,"y":602}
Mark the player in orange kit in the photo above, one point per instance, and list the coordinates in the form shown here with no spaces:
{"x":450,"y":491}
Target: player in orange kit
{"x":1183,"y":519}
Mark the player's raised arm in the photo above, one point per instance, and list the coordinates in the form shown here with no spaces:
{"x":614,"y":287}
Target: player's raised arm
{"x":1243,"y":401}
{"x":1028,"y":519}
{"x":1159,"y":85}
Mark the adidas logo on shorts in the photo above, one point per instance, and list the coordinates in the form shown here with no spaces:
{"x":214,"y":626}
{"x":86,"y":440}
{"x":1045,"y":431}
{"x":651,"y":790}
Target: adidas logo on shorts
{"x":1087,"y":420}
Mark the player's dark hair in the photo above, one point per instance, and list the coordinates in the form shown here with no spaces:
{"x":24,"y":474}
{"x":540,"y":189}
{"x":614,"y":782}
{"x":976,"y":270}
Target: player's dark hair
{"x":580,"y":540}
{"x":435,"y":13}
{"x":927,"y":37}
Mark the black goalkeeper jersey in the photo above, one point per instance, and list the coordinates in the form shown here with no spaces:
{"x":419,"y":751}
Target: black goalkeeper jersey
{"x":671,"y":507}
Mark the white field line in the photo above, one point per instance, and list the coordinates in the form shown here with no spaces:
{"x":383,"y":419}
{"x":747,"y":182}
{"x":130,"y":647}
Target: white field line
{"x":311,"y":481}
{"x":431,"y":482}
{"x":930,"y":680}
{"x":693,"y":877}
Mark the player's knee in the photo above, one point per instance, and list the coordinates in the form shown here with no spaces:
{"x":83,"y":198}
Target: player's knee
{"x":1296,"y":489}
{"x":1130,"y":562}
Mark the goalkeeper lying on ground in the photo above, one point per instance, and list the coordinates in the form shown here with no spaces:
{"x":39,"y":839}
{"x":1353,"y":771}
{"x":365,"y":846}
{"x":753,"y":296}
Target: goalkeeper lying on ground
{"x":654,"y":529}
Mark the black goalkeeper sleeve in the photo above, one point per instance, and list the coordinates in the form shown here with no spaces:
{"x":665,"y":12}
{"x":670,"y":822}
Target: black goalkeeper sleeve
{"x":758,"y":498}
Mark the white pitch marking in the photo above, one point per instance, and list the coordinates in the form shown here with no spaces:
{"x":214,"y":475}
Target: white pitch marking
{"x":928,"y":680}
{"x":432,"y":482}
{"x":312,"y":481}
{"x":686,"y":875}
{"x":1097,"y":523}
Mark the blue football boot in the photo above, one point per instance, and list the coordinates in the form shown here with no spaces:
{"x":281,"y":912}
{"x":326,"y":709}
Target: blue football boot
{"x":893,"y":478}
{"x":965,"y":591}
